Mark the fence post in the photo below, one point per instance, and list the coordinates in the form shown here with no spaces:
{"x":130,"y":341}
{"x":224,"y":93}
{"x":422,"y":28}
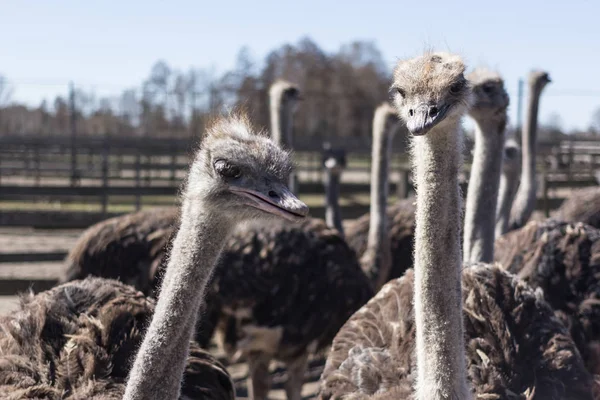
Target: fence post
{"x":36,"y":154}
{"x":138,"y":200}
{"x":105,"y":154}
{"x":173,"y":162}
{"x":73,"y":126}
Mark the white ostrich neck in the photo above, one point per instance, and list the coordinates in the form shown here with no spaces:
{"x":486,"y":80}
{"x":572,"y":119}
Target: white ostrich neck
{"x":333,"y":215}
{"x":282,"y":124}
{"x":482,"y":195}
{"x":526,"y":195}
{"x":506,"y":195}
{"x":441,"y":371}
{"x":377,"y":257}
{"x":160,"y":362}
{"x":530,"y":135}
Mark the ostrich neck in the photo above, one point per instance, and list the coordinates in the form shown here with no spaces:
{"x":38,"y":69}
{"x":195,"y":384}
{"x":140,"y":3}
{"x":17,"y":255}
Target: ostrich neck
{"x":482,"y":195}
{"x":281,"y":130}
{"x":506,"y":195}
{"x":160,"y":362}
{"x":441,"y":371}
{"x":333,"y":215}
{"x":376,"y":260}
{"x":526,"y":195}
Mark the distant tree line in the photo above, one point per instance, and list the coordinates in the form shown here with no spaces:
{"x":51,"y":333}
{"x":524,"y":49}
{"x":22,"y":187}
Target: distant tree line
{"x":340,"y":92}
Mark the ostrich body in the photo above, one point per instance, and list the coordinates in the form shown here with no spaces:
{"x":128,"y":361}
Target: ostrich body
{"x":409,"y":341}
{"x":489,"y":112}
{"x":563,"y":259}
{"x":129,"y":248}
{"x":524,"y":203}
{"x":509,"y":183}
{"x":236,"y":176}
{"x":132,"y":248}
{"x":582,"y":206}
{"x":286,"y":291}
{"x":77,"y":341}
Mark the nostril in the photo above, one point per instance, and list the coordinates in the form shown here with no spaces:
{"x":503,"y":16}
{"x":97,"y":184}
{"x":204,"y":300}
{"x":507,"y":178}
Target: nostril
{"x":273,"y":194}
{"x":433,"y":111}
{"x":411,"y":112}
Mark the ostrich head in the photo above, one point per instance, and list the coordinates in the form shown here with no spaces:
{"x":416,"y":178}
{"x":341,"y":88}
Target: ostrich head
{"x":286,"y":92}
{"x":243,"y":174}
{"x":490,"y":99}
{"x":538,"y":80}
{"x":511,"y":158}
{"x":429,"y":91}
{"x":334,"y":160}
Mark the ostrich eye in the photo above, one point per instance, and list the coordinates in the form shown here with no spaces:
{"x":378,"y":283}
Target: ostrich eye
{"x":400,"y":91}
{"x":456,"y":88}
{"x":227,"y":170}
{"x":487,"y":89}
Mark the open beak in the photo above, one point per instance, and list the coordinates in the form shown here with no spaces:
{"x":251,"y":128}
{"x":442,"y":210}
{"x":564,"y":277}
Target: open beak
{"x":424,"y":117}
{"x":279,"y":200}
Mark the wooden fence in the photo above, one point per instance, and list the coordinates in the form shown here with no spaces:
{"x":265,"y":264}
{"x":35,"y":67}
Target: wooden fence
{"x":34,"y":168}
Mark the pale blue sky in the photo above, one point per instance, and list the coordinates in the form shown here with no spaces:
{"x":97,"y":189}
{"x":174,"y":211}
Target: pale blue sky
{"x":112,"y":44}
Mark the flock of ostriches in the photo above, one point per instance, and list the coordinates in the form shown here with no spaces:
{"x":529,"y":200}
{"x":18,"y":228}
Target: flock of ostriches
{"x":424,"y":299}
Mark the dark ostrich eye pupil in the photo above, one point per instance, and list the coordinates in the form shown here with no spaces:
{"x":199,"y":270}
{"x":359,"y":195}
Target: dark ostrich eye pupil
{"x":401,"y":92}
{"x":487,"y":89}
{"x":456,"y":88}
{"x":227,"y":170}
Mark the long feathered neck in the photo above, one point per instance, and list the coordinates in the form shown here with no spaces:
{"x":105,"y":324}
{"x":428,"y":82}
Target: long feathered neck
{"x":524,"y":204}
{"x":441,"y":371}
{"x":377,"y":259}
{"x":282,"y":122}
{"x":333,"y":214}
{"x":482,"y":195}
{"x":160,"y":362}
{"x":509,"y":183}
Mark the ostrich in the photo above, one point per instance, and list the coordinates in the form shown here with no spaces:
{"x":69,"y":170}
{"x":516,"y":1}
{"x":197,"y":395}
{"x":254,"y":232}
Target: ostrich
{"x":510,"y":345}
{"x":285,"y":291}
{"x":236,"y":176}
{"x":334,"y":162}
{"x":489,"y":112}
{"x":524,"y":203}
{"x":77,"y":341}
{"x":509,"y":183}
{"x":129,"y":248}
{"x":399,"y":218}
{"x":283,"y":100}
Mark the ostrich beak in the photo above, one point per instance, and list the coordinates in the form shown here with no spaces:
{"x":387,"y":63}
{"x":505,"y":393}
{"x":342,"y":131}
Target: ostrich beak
{"x":424,"y":117}
{"x":277,"y":200}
